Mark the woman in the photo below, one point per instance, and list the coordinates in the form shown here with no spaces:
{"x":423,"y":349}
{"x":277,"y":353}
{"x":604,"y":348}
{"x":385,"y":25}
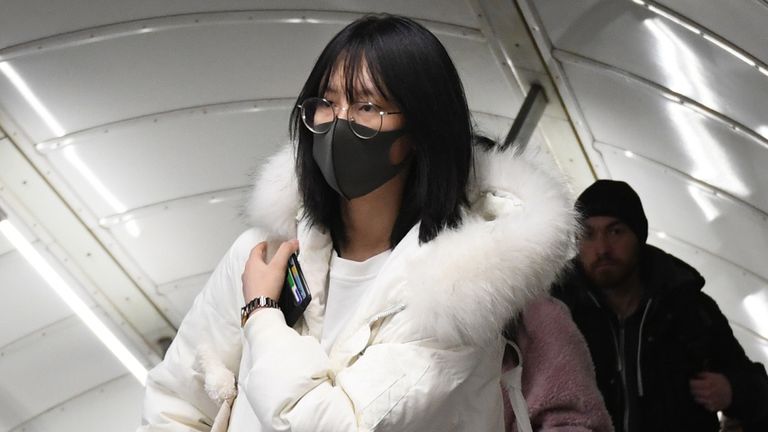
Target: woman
{"x":415,"y":246}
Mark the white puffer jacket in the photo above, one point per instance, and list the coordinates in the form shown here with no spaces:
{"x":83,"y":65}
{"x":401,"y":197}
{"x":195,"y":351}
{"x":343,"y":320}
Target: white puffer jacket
{"x":422,"y":353}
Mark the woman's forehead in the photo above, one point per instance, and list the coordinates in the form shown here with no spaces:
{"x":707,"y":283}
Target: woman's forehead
{"x":362,"y":83}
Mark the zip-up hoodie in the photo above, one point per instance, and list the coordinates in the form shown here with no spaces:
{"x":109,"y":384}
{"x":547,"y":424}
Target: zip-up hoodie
{"x":677,"y":333}
{"x":423,"y":351}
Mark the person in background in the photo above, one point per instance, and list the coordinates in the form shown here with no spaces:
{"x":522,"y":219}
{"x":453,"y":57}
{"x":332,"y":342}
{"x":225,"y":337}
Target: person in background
{"x":665,"y":356}
{"x":416,"y":247}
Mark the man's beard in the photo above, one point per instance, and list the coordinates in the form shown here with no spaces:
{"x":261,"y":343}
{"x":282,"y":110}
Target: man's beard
{"x":608,"y":277}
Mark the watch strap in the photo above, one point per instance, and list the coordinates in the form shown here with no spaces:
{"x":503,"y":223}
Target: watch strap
{"x":257,"y":303}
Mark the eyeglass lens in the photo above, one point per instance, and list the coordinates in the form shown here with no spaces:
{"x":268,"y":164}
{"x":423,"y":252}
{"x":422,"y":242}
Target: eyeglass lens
{"x":365,"y":118}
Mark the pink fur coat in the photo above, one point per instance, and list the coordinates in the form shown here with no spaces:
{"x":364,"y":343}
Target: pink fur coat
{"x":558,"y":380}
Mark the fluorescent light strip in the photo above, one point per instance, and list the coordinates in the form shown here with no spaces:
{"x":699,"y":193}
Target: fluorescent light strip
{"x":731,"y":50}
{"x":715,"y":40}
{"x":674,"y":19}
{"x":31,"y":99}
{"x":69,"y":296}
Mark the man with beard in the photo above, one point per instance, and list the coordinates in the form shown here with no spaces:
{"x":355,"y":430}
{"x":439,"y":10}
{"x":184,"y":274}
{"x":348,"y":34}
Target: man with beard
{"x":665,"y":356}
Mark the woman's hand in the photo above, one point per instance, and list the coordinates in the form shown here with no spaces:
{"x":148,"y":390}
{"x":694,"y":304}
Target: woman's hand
{"x":266,"y":279}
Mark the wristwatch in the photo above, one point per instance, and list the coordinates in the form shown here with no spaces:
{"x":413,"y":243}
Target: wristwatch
{"x":257,"y":303}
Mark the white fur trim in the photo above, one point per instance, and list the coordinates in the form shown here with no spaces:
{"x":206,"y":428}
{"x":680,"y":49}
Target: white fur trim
{"x":274,"y":202}
{"x":468,"y":282}
{"x":219,"y":381}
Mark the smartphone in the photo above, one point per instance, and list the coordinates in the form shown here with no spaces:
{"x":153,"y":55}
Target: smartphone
{"x":295,"y":296}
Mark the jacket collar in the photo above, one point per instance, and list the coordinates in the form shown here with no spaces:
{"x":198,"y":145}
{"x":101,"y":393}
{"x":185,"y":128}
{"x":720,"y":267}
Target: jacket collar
{"x":468,"y":282}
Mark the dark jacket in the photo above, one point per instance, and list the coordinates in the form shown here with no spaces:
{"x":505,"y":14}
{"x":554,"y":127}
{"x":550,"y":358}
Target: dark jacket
{"x":681,"y":332}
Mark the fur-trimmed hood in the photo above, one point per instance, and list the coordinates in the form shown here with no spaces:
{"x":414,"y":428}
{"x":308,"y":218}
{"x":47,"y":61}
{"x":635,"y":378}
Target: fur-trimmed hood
{"x":467,"y":283}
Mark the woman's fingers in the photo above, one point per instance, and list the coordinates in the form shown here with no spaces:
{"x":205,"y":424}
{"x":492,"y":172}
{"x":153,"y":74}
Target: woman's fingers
{"x":259,"y":252}
{"x":283,"y":253}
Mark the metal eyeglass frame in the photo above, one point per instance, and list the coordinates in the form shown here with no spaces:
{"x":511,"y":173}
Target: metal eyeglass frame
{"x":351,"y":120}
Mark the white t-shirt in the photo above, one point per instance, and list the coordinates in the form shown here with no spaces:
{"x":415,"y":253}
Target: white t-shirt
{"x":348,"y":281}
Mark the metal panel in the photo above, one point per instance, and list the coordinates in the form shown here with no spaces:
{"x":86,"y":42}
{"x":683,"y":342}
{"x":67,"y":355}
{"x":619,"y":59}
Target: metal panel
{"x":100,"y":83}
{"x":114,"y":406}
{"x":183,"y":241}
{"x":191,"y":153}
{"x":27,"y":20}
{"x":28,"y":303}
{"x":677,"y":205}
{"x":41,"y":371}
{"x":632,"y":38}
{"x":742,"y":23}
{"x":651,"y":125}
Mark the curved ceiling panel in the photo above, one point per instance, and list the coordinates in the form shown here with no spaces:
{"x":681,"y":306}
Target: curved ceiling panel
{"x":52,"y":18}
{"x":191,"y":153}
{"x":108,"y":407}
{"x":182,"y":241}
{"x":81,"y":363}
{"x":627,"y":36}
{"x":104,"y":82}
{"x":742,"y":25}
{"x":711,"y":222}
{"x":653,"y":126}
{"x":25,"y":290}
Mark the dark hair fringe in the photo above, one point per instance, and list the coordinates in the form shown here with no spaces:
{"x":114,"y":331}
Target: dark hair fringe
{"x":410,"y":67}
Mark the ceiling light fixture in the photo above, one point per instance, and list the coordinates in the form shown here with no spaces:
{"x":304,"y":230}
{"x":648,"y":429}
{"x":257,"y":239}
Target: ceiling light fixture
{"x":717,"y":40}
{"x":31,"y":98}
{"x":65,"y":291}
{"x":731,"y":50}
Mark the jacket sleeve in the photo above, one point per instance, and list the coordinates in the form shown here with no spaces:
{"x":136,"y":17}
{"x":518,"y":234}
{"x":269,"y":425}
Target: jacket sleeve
{"x":175,"y":397}
{"x":749,"y":383}
{"x":293,"y":385}
{"x":558,"y":379}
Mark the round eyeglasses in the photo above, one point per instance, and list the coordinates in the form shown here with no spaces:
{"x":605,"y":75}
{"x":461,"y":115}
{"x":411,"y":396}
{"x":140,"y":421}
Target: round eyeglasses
{"x":365,"y":118}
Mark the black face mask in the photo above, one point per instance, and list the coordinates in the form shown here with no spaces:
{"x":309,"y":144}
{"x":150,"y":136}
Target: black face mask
{"x":353,"y":166}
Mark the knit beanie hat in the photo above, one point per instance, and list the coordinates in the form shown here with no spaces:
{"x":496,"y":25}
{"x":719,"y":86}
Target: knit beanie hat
{"x":617,"y":199}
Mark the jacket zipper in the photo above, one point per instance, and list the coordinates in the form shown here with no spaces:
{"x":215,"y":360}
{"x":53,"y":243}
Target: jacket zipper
{"x":622,"y":363}
{"x":618,"y":345}
{"x":640,"y":348}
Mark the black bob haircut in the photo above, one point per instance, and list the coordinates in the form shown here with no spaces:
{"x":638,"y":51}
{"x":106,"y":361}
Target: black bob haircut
{"x":409,"y":67}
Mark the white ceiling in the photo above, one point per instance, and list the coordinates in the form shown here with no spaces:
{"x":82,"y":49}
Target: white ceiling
{"x":134,"y":185}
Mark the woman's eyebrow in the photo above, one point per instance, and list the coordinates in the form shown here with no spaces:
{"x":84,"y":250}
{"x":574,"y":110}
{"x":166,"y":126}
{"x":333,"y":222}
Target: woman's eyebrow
{"x":368,"y":95}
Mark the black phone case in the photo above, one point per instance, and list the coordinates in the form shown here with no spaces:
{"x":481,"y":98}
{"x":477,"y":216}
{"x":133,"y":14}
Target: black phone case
{"x":292,"y":307}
